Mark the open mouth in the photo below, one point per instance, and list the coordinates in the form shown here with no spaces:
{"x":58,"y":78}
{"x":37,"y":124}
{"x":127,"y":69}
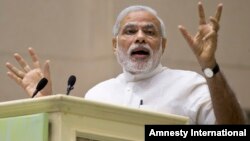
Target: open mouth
{"x":140,"y":53}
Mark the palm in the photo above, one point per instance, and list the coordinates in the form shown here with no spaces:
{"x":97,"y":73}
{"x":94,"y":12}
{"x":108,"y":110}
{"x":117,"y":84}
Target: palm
{"x":205,"y":49}
{"x":30,"y":80}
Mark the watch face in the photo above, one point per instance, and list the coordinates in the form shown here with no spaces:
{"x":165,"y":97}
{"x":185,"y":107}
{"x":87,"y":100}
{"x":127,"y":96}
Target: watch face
{"x":208,"y":72}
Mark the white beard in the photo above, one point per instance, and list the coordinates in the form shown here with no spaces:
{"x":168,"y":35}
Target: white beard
{"x":138,"y":66}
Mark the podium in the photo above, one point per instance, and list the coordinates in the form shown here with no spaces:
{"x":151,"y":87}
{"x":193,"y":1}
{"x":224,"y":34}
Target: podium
{"x":67,"y":118}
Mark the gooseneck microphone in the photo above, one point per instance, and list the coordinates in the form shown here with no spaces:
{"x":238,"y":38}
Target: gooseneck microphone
{"x":71,"y":83}
{"x":41,"y":84}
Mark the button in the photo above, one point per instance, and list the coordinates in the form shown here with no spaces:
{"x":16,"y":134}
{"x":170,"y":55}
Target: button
{"x":129,"y":90}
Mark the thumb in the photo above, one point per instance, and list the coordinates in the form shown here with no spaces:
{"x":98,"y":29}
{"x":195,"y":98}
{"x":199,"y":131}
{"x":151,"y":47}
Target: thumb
{"x":48,"y":89}
{"x":46,"y":69}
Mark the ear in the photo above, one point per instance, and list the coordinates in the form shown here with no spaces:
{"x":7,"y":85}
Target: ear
{"x":114,"y":43}
{"x":164,"y":44}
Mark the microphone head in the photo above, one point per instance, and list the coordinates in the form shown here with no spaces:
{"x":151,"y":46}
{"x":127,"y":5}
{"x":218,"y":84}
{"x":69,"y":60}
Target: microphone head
{"x":41,"y":84}
{"x":71,"y":80}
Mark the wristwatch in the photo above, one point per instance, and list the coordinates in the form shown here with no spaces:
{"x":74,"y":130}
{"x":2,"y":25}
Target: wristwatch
{"x":210,"y":72}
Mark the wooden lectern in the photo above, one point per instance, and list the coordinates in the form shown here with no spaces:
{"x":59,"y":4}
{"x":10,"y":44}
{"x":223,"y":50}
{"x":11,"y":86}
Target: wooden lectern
{"x":68,"y":118}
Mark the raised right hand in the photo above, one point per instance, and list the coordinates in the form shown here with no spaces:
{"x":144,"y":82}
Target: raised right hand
{"x":204,"y":43}
{"x":28,"y":77}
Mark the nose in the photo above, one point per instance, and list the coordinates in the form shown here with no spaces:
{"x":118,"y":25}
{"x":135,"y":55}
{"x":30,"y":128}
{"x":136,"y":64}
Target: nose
{"x":140,"y":37}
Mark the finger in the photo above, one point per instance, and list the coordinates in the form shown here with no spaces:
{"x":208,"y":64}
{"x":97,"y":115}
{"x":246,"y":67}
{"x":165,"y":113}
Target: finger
{"x":218,"y":12}
{"x":209,"y":35}
{"x":201,"y":14}
{"x":186,"y":35}
{"x":15,"y":71}
{"x":22,"y":62}
{"x":215,"y":24}
{"x":34,"y":57}
{"x":18,"y":80}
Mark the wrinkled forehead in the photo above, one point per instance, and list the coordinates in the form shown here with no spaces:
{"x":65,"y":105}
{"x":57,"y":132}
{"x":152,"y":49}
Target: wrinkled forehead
{"x":140,"y":18}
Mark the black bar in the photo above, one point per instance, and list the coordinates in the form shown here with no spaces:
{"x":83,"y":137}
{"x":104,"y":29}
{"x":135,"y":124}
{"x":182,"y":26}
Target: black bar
{"x":191,"y":132}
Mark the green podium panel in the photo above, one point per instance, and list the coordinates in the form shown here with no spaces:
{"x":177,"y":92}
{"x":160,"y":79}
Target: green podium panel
{"x":24,"y":128}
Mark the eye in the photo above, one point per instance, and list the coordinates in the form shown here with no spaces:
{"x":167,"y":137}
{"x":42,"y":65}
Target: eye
{"x":150,"y":32}
{"x":130,"y":31}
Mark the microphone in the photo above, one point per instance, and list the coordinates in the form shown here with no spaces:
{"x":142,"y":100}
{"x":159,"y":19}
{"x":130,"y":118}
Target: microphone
{"x":41,"y":84}
{"x":71,"y":83}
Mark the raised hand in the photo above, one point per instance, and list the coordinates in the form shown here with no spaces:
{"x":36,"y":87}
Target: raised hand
{"x":28,"y":77}
{"x":204,"y":43}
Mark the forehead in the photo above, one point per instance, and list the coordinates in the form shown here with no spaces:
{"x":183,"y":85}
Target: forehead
{"x":141,"y":18}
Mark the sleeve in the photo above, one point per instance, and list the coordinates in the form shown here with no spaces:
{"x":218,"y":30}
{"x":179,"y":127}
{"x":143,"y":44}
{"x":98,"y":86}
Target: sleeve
{"x":200,"y":104}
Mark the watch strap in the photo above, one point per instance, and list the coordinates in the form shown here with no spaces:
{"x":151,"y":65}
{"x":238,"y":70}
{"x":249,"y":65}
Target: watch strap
{"x":216,"y":69}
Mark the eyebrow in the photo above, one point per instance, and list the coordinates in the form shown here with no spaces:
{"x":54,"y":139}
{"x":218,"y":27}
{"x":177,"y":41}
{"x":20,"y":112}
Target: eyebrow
{"x":130,"y":25}
{"x":150,"y":25}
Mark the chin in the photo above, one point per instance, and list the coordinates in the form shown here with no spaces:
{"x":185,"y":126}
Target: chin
{"x":139,"y":68}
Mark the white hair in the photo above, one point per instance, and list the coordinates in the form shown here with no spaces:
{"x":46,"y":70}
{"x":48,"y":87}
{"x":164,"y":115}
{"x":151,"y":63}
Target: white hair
{"x":126,"y":11}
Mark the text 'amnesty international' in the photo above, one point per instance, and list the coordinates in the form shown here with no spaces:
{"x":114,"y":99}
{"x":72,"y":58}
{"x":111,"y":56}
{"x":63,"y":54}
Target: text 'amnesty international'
{"x":192,"y":132}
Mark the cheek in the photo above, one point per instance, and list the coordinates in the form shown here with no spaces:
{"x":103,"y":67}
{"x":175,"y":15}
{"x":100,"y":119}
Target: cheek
{"x":155,"y":46}
{"x":125,"y":43}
